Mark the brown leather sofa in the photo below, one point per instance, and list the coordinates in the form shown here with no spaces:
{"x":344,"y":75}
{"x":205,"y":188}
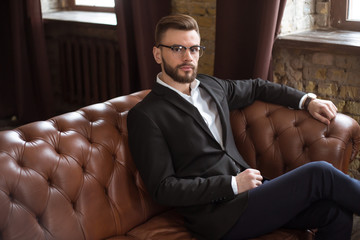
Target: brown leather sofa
{"x":72,"y":177}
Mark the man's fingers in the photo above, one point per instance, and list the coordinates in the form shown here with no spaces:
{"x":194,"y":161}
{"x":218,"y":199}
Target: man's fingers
{"x":259,"y":177}
{"x":248,"y":179}
{"x":330,"y":111}
{"x":323,"y":110}
{"x":321,"y":118}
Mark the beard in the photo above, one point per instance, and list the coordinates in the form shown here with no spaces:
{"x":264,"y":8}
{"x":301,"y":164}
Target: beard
{"x":174,"y":72}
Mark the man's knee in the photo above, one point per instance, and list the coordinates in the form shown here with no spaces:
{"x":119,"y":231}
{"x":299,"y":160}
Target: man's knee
{"x":319,"y":166}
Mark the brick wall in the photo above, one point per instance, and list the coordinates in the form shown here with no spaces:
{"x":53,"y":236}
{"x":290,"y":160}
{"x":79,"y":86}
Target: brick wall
{"x":300,"y":15}
{"x":331,"y":76}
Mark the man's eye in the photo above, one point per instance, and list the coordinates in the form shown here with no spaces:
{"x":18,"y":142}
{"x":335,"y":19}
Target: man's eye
{"x":177,"y":48}
{"x":195,"y":49}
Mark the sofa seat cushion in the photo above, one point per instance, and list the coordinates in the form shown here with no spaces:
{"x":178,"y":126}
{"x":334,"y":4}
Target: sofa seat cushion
{"x":165,"y":226}
{"x":170,"y":226}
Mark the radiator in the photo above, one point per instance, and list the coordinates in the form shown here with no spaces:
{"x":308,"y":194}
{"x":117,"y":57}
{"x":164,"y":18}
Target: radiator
{"x":89,"y":70}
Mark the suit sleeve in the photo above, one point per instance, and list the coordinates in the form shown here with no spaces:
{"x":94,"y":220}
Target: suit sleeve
{"x":153,"y":159}
{"x":242,"y":93}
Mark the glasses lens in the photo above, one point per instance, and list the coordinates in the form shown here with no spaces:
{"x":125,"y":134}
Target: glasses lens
{"x":195,"y":51}
{"x":199,"y":50}
{"x":178,"y":49}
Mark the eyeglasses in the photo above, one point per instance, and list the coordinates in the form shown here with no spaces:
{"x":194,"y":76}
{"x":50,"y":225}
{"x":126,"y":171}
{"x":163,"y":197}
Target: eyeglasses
{"x":179,"y":50}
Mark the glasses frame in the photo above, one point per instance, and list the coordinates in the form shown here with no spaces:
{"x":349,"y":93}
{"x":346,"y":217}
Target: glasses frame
{"x":172,"y":47}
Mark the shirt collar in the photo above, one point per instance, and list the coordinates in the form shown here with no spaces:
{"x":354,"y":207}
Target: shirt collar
{"x":193,"y":86}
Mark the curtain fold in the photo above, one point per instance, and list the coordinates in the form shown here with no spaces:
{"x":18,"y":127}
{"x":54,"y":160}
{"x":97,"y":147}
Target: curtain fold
{"x":24,"y":73}
{"x":245,"y":34}
{"x":136,"y":22}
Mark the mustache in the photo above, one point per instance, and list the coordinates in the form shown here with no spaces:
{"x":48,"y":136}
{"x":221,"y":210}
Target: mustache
{"x":186,"y":65}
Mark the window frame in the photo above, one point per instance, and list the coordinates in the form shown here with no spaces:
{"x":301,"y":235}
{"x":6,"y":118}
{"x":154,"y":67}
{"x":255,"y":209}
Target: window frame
{"x":338,"y":15}
{"x":73,"y":6}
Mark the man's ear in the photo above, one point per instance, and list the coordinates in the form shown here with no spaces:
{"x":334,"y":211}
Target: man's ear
{"x":157,"y":55}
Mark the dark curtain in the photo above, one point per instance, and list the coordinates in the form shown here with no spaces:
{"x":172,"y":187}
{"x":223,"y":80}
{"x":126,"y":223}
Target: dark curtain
{"x":245,"y":33}
{"x":25,"y":89}
{"x":136,"y":21}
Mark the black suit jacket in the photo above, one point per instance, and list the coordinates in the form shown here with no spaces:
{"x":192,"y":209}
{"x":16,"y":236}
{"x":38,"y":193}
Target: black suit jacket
{"x":181,"y":163}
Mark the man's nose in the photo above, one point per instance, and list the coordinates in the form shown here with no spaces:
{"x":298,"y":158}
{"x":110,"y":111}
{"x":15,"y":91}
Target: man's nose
{"x":187,"y":56}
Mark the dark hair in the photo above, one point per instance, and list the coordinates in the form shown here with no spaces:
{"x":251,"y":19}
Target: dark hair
{"x":177,"y":21}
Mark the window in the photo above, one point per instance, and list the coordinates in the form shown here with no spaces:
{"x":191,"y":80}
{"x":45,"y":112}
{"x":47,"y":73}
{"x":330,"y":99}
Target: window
{"x":345,"y":14}
{"x":354,"y":10}
{"x":93,"y":5}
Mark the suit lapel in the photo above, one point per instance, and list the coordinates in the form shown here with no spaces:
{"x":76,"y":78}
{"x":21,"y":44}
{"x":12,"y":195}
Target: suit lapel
{"x":176,"y":100}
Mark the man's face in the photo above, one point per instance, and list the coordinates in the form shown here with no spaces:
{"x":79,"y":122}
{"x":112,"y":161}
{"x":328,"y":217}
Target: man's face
{"x":181,"y":68}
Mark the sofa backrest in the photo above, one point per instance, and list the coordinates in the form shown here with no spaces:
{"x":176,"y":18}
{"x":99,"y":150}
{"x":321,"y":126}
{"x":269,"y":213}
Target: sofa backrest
{"x":72,"y":177}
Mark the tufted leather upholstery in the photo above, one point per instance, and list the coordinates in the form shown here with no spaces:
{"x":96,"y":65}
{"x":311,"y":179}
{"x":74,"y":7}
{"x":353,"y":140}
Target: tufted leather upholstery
{"x":72,"y":177}
{"x":275,"y":139}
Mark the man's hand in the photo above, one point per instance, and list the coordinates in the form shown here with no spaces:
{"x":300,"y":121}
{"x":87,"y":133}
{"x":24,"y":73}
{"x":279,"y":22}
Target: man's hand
{"x":248,"y":179}
{"x":322,"y":110}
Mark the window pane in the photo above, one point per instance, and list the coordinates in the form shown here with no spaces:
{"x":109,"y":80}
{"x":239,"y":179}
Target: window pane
{"x":96,"y":3}
{"x":354,"y":10}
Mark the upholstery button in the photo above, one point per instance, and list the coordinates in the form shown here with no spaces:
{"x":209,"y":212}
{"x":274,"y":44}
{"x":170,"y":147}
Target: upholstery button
{"x":20,"y":163}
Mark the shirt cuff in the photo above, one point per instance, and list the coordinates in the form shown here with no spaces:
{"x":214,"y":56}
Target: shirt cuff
{"x":302,"y":101}
{"x":234,"y":185}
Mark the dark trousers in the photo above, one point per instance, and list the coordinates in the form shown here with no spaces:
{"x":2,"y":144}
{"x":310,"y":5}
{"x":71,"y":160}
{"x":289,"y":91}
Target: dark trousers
{"x":313,"y":196}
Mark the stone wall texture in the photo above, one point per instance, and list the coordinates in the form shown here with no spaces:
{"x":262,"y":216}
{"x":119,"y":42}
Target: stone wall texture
{"x":302,"y":15}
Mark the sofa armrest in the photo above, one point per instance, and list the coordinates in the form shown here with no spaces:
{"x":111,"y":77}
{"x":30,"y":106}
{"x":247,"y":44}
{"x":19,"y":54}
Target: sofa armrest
{"x":275,"y":139}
